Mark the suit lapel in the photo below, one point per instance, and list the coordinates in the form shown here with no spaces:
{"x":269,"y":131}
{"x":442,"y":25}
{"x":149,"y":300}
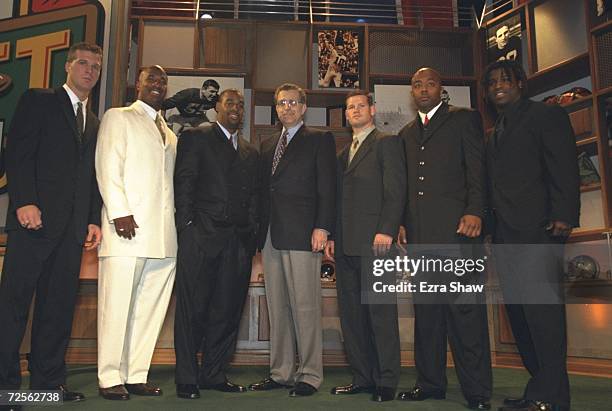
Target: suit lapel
{"x":435,"y":123}
{"x":362,"y":151}
{"x":67,"y":110}
{"x":292,"y":149}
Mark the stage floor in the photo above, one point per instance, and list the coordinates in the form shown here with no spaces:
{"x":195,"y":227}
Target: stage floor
{"x":588,"y":393}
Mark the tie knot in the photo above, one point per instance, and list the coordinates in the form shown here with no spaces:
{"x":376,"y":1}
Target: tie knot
{"x":426,"y":120}
{"x":355,"y":142}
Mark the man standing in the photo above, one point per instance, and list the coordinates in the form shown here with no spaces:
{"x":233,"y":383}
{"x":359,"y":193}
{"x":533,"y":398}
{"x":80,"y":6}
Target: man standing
{"x":297,"y":215}
{"x":216,"y":212}
{"x":372,"y":190}
{"x":535,"y":198}
{"x":135,"y":165}
{"x":446,"y":182}
{"x":54,"y":211}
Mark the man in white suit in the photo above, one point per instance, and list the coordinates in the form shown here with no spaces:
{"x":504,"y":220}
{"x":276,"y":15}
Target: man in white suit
{"x":135,"y":164}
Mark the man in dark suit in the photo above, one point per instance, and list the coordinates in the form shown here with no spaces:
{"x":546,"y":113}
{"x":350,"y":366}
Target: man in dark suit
{"x":215,"y":189}
{"x":446,"y":182}
{"x":297,"y":214}
{"x":54,"y":211}
{"x":535,"y":198}
{"x":371,"y":195}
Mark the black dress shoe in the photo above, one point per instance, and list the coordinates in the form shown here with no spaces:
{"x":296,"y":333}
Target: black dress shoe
{"x":516,"y":402}
{"x":116,"y":392}
{"x":479,"y":404}
{"x":529,"y":405}
{"x":382,"y":394}
{"x":226,"y":386}
{"x":145,"y":389}
{"x":266,"y":385}
{"x":417,"y":394}
{"x":351,"y":389}
{"x":302,"y":389}
{"x":70,"y":396}
{"x":188,"y":391}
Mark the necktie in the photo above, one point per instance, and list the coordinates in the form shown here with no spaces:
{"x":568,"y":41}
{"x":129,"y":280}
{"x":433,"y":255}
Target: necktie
{"x":499,"y":130}
{"x":280,"y":150}
{"x":233,"y":140}
{"x":353,"y":150}
{"x":160,"y":127}
{"x":80,"y":120}
{"x":425,"y":121}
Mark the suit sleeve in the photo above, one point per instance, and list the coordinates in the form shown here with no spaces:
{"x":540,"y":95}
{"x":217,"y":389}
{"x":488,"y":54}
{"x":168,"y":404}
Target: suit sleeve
{"x":326,"y":183}
{"x":392,"y":161}
{"x":186,"y":177}
{"x":110,"y":163}
{"x":402,"y":136}
{"x":560,"y":158}
{"x":474,"y":162}
{"x":22,"y":149}
{"x":95,"y":207}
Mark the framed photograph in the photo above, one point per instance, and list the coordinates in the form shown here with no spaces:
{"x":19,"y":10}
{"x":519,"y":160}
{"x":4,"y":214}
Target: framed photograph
{"x":395,"y":106}
{"x":190,"y":100}
{"x":505,"y":39}
{"x":338,"y":59}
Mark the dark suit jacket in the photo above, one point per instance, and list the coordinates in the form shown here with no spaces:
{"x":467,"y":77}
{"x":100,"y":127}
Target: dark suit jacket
{"x":446,"y":174}
{"x":216,"y":187}
{"x":533,"y":172}
{"x":371,"y":193}
{"x":301,"y":195}
{"x":48,"y":167}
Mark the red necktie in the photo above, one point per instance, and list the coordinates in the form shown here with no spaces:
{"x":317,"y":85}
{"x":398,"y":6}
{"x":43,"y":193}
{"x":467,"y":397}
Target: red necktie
{"x":425,"y":121}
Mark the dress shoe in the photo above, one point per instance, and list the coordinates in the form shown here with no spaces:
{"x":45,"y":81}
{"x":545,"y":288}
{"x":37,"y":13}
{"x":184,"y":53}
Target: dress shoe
{"x":302,"y":389}
{"x":382,"y":394}
{"x":529,"y":405}
{"x":417,"y":394}
{"x":351,"y":389}
{"x":70,"y":396}
{"x":116,"y":392}
{"x":143,"y":389}
{"x":478,"y":404}
{"x":226,"y":386}
{"x":188,"y":391}
{"x":266,"y":385}
{"x":516,"y":402}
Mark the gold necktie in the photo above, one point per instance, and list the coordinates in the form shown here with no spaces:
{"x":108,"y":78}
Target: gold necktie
{"x":353,"y":150}
{"x":160,"y":127}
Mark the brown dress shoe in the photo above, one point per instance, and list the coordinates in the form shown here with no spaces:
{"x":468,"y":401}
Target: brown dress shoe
{"x":116,"y":392}
{"x":146,"y":389}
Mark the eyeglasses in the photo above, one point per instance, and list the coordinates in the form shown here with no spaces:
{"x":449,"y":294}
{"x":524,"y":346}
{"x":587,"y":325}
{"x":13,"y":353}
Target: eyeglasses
{"x":287,"y":103}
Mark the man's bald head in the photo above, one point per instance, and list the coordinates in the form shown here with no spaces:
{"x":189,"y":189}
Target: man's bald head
{"x":426,"y":89}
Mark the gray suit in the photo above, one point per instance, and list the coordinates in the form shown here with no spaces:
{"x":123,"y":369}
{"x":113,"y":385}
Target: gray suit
{"x":371,"y":195}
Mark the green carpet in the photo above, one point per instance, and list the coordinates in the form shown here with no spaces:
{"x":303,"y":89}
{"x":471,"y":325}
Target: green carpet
{"x":588,"y":393}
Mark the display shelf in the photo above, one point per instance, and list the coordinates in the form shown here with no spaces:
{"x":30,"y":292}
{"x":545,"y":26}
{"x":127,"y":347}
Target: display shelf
{"x":559,"y":74}
{"x":590,"y":187}
{"x":586,"y":141}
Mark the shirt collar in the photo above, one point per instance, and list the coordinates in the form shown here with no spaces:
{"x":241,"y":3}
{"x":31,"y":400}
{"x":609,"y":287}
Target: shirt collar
{"x":429,"y":114}
{"x":292,"y":130}
{"x":151,"y":112}
{"x":363,"y":134}
{"x":74,"y":99}
{"x":226,"y":131}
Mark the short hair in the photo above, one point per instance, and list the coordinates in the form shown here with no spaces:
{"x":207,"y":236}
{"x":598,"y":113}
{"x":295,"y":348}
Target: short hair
{"x":355,"y":93}
{"x":83,"y":46}
{"x":510,"y":68}
{"x":230,"y":90}
{"x":152,"y":67}
{"x":211,"y":83}
{"x":287,"y":87}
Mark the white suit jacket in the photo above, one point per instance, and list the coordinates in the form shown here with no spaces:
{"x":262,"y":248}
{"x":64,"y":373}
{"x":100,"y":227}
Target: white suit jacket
{"x":135,"y":175}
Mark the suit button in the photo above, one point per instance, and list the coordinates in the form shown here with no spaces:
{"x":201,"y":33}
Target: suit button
{"x":271,"y":189}
{"x":420,"y":193}
{"x":421,"y":163}
{"x":244,"y":187}
{"x":422,"y":148}
{"x":421,"y":178}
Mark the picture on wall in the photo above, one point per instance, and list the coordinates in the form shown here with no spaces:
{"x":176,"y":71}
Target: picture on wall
{"x":504,"y":40}
{"x":395,"y":106}
{"x":338,"y":59}
{"x":190,"y":100}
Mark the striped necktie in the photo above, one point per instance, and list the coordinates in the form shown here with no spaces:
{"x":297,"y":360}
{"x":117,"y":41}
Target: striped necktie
{"x":280,"y":150}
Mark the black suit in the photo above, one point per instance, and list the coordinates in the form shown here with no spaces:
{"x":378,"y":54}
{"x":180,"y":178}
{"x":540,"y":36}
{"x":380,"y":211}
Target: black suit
{"x":49,"y":165}
{"x":534,"y":179}
{"x":215,"y":189}
{"x":446,"y":180}
{"x":371,"y":195}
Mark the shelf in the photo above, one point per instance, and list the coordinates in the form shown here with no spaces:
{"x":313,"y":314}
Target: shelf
{"x":586,"y":141}
{"x":590,"y":187}
{"x":580,"y":235}
{"x":577,"y":102}
{"x":602,"y":26}
{"x":559,"y":74}
{"x":603,"y":91}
